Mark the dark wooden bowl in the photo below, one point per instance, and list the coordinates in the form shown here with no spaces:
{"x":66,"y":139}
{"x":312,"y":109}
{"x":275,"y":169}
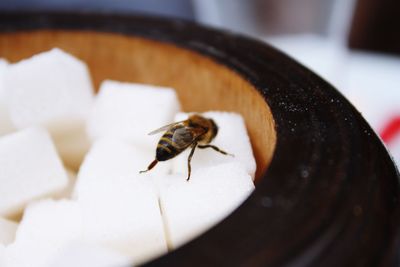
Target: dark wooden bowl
{"x":327,"y":192}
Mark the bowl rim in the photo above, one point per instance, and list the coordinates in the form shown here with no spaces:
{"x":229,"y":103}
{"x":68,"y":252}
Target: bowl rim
{"x":330,"y":196}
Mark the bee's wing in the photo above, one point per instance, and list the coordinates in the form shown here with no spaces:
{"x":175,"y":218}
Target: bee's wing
{"x":164,"y":128}
{"x":185,"y":136}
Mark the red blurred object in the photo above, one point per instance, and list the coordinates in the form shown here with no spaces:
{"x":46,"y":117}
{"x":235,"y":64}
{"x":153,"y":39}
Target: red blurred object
{"x":391,"y":130}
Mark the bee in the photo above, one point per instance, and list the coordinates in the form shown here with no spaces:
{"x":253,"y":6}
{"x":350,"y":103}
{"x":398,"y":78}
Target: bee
{"x":195,"y":132}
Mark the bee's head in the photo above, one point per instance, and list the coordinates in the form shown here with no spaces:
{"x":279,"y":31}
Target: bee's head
{"x":196,"y":120}
{"x":214,"y":129}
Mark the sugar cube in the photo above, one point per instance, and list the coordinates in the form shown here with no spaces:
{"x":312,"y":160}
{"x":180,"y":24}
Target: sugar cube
{"x":47,"y":226}
{"x":120,"y":206}
{"x":232,"y":137}
{"x":30,"y":168}
{"x":5,"y":123}
{"x":2,"y":255}
{"x":51,"y":89}
{"x":190,"y":208}
{"x":48,"y":86}
{"x":125,"y":216}
{"x":110,"y":158}
{"x":79,"y":253}
{"x":7,"y":231}
{"x":130,"y":111}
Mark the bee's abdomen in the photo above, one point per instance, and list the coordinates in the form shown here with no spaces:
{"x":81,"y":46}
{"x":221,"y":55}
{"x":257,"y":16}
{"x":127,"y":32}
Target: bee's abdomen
{"x":166,"y":149}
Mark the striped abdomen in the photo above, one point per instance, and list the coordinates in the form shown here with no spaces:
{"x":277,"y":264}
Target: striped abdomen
{"x":173,"y":142}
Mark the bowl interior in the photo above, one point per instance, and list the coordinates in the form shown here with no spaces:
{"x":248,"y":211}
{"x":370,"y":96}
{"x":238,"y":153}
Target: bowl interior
{"x":201,"y":83}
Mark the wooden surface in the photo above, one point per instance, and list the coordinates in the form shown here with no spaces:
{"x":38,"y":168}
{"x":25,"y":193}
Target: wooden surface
{"x":330,"y":195}
{"x":201,"y":83}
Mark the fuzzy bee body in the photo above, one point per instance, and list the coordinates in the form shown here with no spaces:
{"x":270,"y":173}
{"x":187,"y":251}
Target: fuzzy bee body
{"x":173,"y":142}
{"x":196,"y":131}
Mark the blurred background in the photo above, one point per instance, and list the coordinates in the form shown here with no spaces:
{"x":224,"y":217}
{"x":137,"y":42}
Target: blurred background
{"x":353,"y":44}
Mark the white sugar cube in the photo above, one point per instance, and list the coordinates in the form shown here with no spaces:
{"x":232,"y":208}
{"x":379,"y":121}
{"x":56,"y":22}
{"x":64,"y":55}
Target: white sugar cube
{"x":5,"y":123}
{"x":54,"y":220}
{"x":120,"y":205}
{"x":47,"y":226}
{"x":7,"y":231}
{"x":48,"y":86}
{"x":2,"y":255}
{"x":79,"y":253}
{"x":124,"y":215}
{"x":52,"y":89}
{"x":30,"y":168}
{"x":232,"y":137}
{"x":110,"y":158}
{"x":130,"y":111}
{"x":190,"y":208}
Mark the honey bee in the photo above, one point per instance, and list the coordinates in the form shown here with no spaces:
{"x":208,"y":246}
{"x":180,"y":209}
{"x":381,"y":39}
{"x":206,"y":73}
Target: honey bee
{"x":196,"y":131}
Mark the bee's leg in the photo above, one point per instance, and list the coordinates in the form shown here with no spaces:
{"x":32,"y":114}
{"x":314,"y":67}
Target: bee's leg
{"x":216,"y":149}
{"x":151,"y":166}
{"x":190,"y":159}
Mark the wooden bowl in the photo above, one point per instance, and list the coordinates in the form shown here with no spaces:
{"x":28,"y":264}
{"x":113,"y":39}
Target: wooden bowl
{"x":327,"y":192}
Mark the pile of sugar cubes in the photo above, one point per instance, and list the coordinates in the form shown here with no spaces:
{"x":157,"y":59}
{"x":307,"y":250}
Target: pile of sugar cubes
{"x":70,"y":189}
